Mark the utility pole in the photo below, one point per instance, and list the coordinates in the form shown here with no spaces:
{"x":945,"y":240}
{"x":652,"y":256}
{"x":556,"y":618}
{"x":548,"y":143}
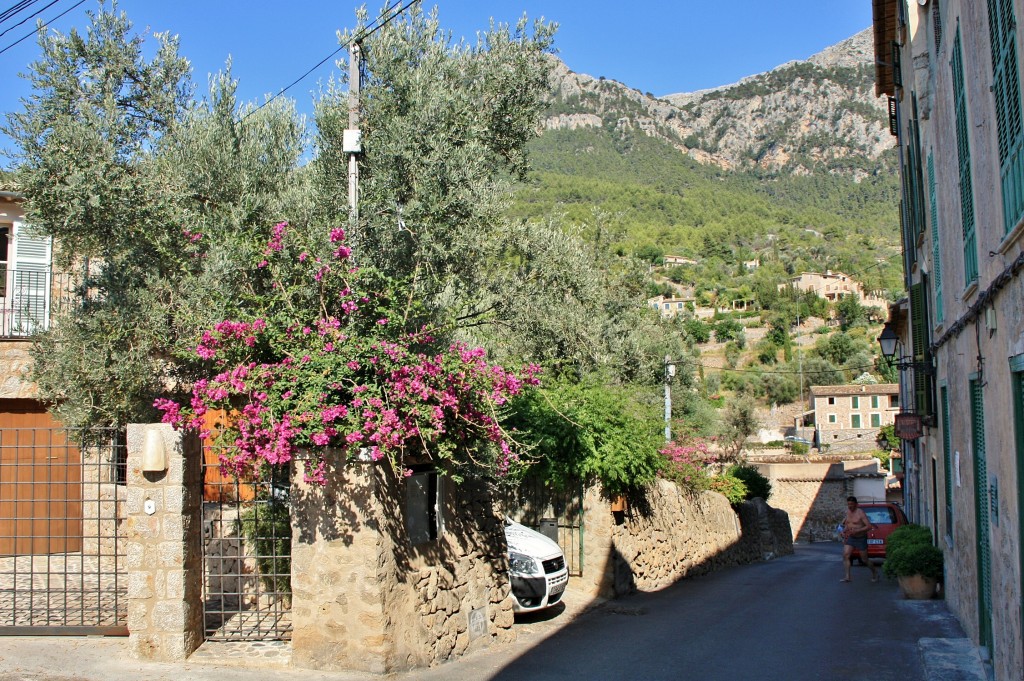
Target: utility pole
{"x":352,"y":140}
{"x":670,"y":371}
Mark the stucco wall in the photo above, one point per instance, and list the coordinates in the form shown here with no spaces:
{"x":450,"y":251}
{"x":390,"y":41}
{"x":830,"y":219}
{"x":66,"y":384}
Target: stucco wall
{"x":670,"y":535}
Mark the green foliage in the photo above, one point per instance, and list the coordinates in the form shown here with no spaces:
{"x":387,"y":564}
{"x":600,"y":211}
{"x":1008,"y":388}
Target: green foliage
{"x":266,"y":525}
{"x":913,"y":559}
{"x":780,"y":388}
{"x":739,"y":421}
{"x":733,"y":351}
{"x":888,"y":439}
{"x":126,"y":172}
{"x":907,"y":535}
{"x":758,"y":486}
{"x":883,"y":458}
{"x":590,"y":431}
{"x":698,"y":330}
{"x":800,"y":448}
{"x":850,"y":312}
{"x":767,"y":351}
{"x":728,"y":330}
{"x":730,"y":486}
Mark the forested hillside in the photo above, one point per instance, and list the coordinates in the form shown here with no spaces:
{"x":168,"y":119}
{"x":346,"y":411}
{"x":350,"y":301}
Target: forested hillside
{"x":792,"y":167}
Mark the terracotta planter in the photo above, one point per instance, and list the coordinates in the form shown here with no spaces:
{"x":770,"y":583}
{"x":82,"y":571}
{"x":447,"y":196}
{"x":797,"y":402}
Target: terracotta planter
{"x":917,"y":587}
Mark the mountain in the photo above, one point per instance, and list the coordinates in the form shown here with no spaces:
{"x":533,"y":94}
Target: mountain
{"x":795,"y":165}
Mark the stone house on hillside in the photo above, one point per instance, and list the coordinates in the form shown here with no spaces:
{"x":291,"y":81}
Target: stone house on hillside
{"x":951,"y":72}
{"x":847,"y":418}
{"x":832,"y":286}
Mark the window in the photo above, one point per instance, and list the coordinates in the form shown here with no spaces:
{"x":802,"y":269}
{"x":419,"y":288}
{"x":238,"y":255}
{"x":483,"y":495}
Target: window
{"x":874,"y":401}
{"x":876,"y":420}
{"x":894,"y":401}
{"x":679,"y":306}
{"x":963,"y":151}
{"x":1006,"y":90}
{"x":855,"y":420}
{"x":919,"y":328}
{"x":947,"y":459}
{"x":831,"y":400}
{"x":831,"y":418}
{"x":855,"y":402}
{"x":936,"y":259}
{"x":423,"y":519}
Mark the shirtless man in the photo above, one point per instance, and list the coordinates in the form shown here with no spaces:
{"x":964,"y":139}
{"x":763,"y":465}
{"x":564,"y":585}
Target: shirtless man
{"x":855,"y":538}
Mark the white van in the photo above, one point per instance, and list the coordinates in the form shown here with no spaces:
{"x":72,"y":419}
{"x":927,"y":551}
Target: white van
{"x":536,"y":568}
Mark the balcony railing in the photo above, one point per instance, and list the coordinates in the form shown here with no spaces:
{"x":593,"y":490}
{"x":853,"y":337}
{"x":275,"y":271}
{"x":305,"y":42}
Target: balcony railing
{"x":30,"y":297}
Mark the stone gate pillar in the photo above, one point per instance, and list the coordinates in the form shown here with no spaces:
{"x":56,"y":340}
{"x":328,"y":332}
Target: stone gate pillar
{"x":164,"y":530}
{"x":338,"y":614}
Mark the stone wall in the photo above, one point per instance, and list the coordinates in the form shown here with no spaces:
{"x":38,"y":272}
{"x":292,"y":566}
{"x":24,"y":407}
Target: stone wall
{"x":15,"y":366}
{"x":364,"y":598}
{"x":813,"y":494}
{"x":669,"y":535}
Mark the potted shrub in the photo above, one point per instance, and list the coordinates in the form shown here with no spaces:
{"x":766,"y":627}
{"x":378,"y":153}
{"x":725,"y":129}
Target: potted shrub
{"x":913,"y":561}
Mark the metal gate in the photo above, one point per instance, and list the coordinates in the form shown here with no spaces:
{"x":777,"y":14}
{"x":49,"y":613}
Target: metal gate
{"x":62,"y":548}
{"x":556,"y":513}
{"x":246,"y":554}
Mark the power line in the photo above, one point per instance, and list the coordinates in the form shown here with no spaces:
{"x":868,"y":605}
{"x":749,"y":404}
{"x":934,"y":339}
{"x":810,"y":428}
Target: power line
{"x":10,"y":28}
{"x":29,"y":35}
{"x":15,"y":9}
{"x":365,"y":33}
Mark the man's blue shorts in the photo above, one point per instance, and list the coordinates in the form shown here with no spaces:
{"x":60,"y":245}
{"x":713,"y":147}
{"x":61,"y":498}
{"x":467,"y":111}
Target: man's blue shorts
{"x":858,"y":543}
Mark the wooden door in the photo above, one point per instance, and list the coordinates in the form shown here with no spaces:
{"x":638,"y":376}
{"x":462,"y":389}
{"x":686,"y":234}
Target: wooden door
{"x":40,"y":482}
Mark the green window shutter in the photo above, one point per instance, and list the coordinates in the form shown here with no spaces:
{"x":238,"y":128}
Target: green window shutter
{"x":947,"y":459}
{"x":963,"y":151}
{"x":919,"y":331}
{"x":876,"y":420}
{"x":916,"y":175}
{"x":981,"y":507}
{"x":936,"y":258}
{"x":874,"y":401}
{"x":855,"y":420}
{"x":855,"y":402}
{"x":1006,"y":91}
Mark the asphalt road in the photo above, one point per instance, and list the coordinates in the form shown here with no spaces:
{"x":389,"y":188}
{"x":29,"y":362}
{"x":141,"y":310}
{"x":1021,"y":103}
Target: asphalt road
{"x":789,"y":619}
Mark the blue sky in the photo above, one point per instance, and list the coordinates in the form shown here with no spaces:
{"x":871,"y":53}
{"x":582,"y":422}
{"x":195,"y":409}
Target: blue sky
{"x":662,"y":48}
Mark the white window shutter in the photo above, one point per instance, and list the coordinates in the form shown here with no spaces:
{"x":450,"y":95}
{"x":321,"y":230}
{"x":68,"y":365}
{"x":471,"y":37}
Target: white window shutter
{"x":29,"y":281}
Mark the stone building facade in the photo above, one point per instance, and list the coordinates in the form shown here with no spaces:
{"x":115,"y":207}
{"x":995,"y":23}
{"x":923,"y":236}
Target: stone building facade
{"x":952,"y":75}
{"x":847,"y":418}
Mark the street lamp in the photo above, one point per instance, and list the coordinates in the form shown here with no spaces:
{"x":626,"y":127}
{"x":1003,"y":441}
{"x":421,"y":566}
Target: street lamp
{"x":890,"y":343}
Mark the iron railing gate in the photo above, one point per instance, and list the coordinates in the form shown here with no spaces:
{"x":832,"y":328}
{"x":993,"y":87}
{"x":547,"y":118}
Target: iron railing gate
{"x":62,"y":548}
{"x":246,"y":554}
{"x":557,"y":513}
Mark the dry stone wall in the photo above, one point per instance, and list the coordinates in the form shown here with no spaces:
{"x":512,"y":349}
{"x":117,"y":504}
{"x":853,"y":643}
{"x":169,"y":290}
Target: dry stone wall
{"x":670,"y":535}
{"x":365,"y":598}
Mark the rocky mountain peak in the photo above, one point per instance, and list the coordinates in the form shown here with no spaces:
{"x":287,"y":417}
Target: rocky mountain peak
{"x":820,"y":113}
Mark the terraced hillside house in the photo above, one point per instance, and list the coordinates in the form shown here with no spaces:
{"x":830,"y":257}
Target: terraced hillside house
{"x":951,"y":73}
{"x":847,"y":418}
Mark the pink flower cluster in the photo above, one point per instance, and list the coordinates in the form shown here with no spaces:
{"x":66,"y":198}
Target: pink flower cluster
{"x":343,"y":375}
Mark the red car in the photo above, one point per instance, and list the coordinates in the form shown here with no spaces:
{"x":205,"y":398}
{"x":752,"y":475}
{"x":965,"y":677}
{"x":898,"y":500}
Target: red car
{"x":886,"y":517}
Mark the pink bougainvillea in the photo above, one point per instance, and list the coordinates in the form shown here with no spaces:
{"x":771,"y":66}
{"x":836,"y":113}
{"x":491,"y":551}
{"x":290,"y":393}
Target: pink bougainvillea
{"x":324,"y":365}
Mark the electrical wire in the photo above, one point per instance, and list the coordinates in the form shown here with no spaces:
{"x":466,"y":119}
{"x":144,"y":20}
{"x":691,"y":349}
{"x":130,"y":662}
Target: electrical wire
{"x":10,"y":28}
{"x":365,"y":33}
{"x":29,"y":35}
{"x":15,"y":9}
